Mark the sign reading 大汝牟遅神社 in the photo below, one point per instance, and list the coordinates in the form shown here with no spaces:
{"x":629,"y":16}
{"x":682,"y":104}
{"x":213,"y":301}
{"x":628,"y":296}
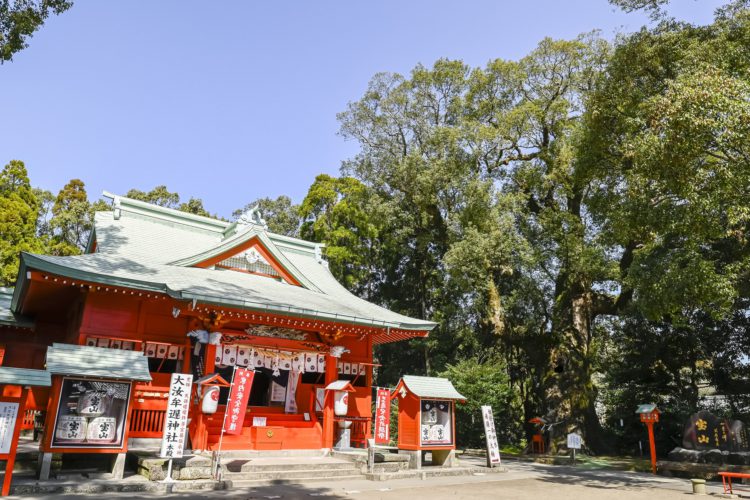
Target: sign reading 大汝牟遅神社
{"x":237,"y":404}
{"x":8,"y":414}
{"x":493,"y":449}
{"x":383,"y":417}
{"x":175,"y":422}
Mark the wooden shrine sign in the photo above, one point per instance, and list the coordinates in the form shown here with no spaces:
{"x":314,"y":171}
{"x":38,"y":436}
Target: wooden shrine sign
{"x":493,"y":449}
{"x":175,"y":422}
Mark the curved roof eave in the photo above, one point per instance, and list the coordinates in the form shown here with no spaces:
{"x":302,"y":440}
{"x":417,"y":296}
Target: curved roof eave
{"x":29,"y":261}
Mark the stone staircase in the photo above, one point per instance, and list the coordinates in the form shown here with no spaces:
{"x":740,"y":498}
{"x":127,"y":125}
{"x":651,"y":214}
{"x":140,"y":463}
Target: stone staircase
{"x":289,"y":470}
{"x":248,"y":469}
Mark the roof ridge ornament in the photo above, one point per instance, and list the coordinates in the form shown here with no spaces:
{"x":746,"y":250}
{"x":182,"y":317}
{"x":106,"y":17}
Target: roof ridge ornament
{"x":253,"y":217}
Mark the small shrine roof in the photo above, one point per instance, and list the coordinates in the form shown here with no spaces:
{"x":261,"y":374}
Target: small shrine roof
{"x":87,"y":361}
{"x":431,"y":387}
{"x":24,"y":377}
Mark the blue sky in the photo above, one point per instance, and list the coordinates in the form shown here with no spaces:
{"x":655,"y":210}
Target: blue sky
{"x":229,"y":101}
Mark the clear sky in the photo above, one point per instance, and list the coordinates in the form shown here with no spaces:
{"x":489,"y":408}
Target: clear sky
{"x":229,"y":101}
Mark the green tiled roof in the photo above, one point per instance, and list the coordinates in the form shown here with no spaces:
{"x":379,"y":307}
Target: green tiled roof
{"x":431,"y":387}
{"x":7,"y":317}
{"x":86,"y":361}
{"x":24,"y":377}
{"x":152,"y":248}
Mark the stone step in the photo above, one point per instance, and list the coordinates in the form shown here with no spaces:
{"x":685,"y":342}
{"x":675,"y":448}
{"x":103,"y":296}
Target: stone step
{"x":427,"y":472}
{"x":292,"y":475}
{"x":261,"y":466}
{"x":249,"y":483}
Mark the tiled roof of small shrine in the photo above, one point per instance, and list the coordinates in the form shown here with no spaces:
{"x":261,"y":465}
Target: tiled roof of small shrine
{"x":24,"y":377}
{"x":68,"y":359}
{"x":431,"y":387}
{"x":143,"y":246}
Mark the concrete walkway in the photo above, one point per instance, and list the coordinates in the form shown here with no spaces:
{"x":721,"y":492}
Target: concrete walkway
{"x":523,"y":480}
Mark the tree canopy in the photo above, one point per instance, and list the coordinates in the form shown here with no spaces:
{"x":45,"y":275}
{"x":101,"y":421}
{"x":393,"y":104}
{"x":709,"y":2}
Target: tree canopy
{"x":19,"y":19}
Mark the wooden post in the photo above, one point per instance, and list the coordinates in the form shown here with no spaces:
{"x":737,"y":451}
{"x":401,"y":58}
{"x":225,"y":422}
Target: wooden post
{"x":652,"y":444}
{"x":11,"y":460}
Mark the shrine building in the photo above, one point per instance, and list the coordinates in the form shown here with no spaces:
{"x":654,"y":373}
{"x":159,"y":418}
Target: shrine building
{"x":158,"y":292}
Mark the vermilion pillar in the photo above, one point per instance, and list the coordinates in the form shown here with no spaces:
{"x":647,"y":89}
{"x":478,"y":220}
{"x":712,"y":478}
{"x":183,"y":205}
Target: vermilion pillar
{"x":331,"y":376}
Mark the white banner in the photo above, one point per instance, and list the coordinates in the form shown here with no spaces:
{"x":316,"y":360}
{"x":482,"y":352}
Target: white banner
{"x":493,"y":450}
{"x":8,"y":414}
{"x":175,"y":422}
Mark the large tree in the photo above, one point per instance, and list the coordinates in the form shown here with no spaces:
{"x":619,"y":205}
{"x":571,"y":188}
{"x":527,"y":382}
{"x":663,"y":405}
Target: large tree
{"x":18,"y":216}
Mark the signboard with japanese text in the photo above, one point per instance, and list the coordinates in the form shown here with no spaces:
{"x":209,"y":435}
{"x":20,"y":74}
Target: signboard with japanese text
{"x":8,"y":414}
{"x":574,"y":441}
{"x":383,"y":416}
{"x":91,"y":414}
{"x":436,"y":422}
{"x":237,"y":402}
{"x":175,"y":422}
{"x":493,"y":450}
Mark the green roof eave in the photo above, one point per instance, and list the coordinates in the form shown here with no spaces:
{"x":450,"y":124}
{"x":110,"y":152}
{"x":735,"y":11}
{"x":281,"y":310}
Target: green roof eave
{"x":29,"y":261}
{"x":304,"y":313}
{"x":18,"y":321}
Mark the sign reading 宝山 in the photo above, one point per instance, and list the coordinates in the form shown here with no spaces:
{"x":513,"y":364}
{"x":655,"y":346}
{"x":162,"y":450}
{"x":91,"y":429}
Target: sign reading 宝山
{"x":383,"y":417}
{"x":175,"y":423}
{"x":493,"y":450}
{"x":91,"y":414}
{"x":237,"y":403}
{"x":8,"y":414}
{"x":574,"y":441}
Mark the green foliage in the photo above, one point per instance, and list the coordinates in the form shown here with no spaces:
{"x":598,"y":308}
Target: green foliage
{"x":19,"y":19}
{"x":163,"y":197}
{"x":484,"y":384}
{"x":281,"y":215}
{"x":340,"y":212}
{"x":19,"y":210}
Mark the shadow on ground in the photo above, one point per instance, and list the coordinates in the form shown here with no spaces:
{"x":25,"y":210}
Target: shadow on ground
{"x":602,"y":478}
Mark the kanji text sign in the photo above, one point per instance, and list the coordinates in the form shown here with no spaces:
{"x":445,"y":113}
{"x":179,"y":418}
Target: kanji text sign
{"x":8,"y":414}
{"x":574,"y":441}
{"x":493,"y":449}
{"x":175,"y":422}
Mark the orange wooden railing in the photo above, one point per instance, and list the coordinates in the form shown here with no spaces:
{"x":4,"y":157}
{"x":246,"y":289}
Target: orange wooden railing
{"x":28,"y":419}
{"x":147,"y":423}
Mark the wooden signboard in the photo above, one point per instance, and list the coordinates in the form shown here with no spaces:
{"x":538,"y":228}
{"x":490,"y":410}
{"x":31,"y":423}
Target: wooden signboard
{"x":175,"y":422}
{"x":493,"y":449}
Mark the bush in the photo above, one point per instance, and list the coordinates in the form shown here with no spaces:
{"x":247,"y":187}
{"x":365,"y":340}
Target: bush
{"x":484,"y":384}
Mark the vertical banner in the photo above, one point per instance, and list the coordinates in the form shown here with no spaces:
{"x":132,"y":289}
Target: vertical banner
{"x":493,"y":450}
{"x":383,"y":417}
{"x":237,"y":403}
{"x":290,"y":406}
{"x":175,"y":423}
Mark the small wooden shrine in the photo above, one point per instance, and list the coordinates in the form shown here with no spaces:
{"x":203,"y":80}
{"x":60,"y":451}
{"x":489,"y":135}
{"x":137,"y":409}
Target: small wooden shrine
{"x":427,"y":418}
{"x":160,"y":291}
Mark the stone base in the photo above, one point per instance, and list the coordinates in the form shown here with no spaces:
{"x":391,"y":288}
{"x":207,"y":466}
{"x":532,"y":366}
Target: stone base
{"x":717,"y":457}
{"x":415,"y":458}
{"x":444,"y":458}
